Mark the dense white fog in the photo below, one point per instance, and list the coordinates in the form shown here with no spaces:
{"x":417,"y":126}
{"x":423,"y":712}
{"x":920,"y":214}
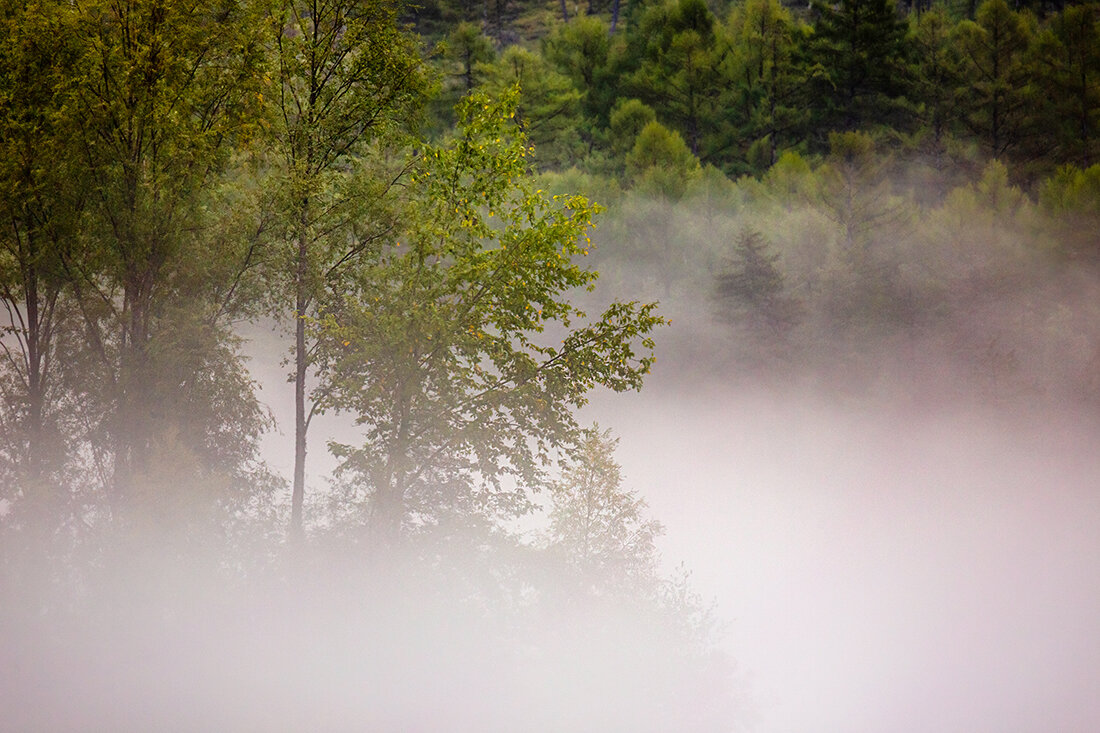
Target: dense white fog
{"x":884,"y":567}
{"x":877,"y":560}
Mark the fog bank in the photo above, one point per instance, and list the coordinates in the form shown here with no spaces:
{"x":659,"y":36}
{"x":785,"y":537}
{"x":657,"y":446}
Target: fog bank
{"x":884,"y":565}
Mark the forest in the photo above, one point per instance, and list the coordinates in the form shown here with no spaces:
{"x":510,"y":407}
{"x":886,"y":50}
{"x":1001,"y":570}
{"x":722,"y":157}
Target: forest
{"x":455,"y":224}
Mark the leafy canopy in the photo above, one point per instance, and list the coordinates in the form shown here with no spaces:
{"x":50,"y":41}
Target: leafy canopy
{"x":443,"y":349}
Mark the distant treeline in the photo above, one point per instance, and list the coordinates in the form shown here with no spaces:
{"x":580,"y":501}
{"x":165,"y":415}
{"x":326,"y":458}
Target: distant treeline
{"x":740,"y":83}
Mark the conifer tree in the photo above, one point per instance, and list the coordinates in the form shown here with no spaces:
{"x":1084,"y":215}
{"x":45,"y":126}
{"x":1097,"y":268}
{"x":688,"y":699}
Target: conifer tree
{"x":751,"y":293}
{"x":1067,"y":68}
{"x":768,"y":81}
{"x":996,"y":89}
{"x":860,"y":65}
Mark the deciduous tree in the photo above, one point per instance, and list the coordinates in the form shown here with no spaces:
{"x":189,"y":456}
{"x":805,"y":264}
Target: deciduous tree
{"x":458,"y":351}
{"x":161,"y":93}
{"x":347,"y":77}
{"x":597,"y":526}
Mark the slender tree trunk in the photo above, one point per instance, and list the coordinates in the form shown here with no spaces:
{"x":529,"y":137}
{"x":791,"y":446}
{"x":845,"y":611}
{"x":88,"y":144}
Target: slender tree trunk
{"x":35,"y":391}
{"x":139,"y":400}
{"x":39,"y":307}
{"x":614,"y":15}
{"x":300,"y":421}
{"x":564,"y":12}
{"x":387,"y":509}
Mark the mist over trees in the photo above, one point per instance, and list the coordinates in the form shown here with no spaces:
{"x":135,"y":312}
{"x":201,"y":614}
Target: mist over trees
{"x":460,"y":217}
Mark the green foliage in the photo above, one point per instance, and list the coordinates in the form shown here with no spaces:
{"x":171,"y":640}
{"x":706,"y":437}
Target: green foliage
{"x":462,"y":61}
{"x":549,"y":105}
{"x":580,"y":49}
{"x":125,"y":398}
{"x":937,"y":73}
{"x":660,"y":162}
{"x":985,"y":222}
{"x":348,"y":82}
{"x":599,"y":528}
{"x":40,"y":205}
{"x":628,"y":119}
{"x":1071,"y":200}
{"x":856,"y":195}
{"x":859,"y":58}
{"x":443,"y":352}
{"x":346,"y":74}
{"x":1067,"y":69}
{"x":750,"y":294}
{"x":768,"y":82}
{"x":161,"y":95}
{"x":791,"y":178}
{"x":467,"y":48}
{"x":1072,"y":190}
{"x":675,"y":62}
{"x":997,"y":96}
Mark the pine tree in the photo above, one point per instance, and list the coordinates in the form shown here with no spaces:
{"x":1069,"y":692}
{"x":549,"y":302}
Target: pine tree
{"x":860,"y":65}
{"x":768,"y":81}
{"x":751,"y":292}
{"x":1067,"y":67}
{"x":996,"y":90}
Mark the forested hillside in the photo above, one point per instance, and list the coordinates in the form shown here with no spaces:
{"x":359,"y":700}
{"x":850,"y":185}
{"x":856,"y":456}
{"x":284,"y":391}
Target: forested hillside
{"x":463,"y":220}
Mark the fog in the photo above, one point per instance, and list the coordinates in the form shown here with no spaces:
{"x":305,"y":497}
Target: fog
{"x":883,"y":568}
{"x":891,"y":514}
{"x":895,"y":513}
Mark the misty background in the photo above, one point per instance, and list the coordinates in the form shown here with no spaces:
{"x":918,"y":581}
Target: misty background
{"x":524,"y":366}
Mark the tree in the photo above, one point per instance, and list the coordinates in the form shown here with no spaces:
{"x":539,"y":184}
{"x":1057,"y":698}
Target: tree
{"x":347,"y":77}
{"x":442,"y":350}
{"x":996,"y":88}
{"x":469,"y":48}
{"x":660,"y":162}
{"x":678,"y":69}
{"x":580,"y":50}
{"x":628,"y":119}
{"x":1071,"y":200}
{"x":549,"y":108}
{"x":40,"y":205}
{"x":860,"y":59}
{"x":855,"y":194}
{"x":767,"y":80}
{"x":160,"y":94}
{"x":751,"y":293}
{"x":936,"y":73}
{"x":1067,"y":67}
{"x":599,"y":528}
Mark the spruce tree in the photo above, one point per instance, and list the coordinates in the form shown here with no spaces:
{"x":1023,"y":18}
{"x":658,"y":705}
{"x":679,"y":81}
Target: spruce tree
{"x":860,"y":65}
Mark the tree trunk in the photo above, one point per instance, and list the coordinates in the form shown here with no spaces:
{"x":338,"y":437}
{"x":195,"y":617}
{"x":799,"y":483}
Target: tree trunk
{"x":300,"y":422}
